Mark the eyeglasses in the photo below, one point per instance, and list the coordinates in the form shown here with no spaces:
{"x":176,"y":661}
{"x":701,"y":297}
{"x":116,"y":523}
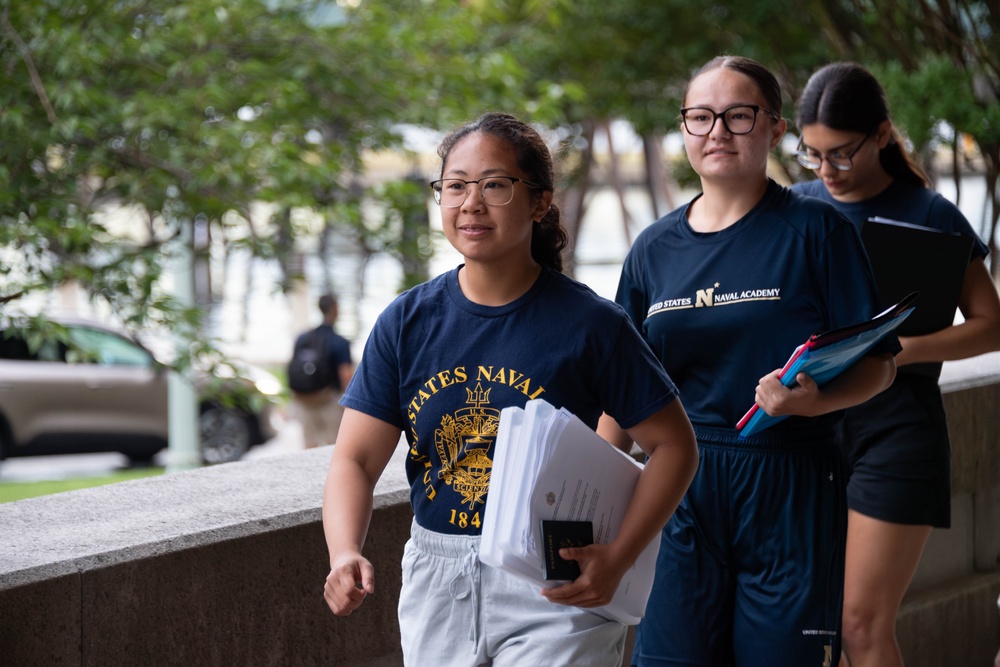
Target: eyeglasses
{"x":495,"y":190}
{"x":811,"y":159}
{"x":739,"y":119}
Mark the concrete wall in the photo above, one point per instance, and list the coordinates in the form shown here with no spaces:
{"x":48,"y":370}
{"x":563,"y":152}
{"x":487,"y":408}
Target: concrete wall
{"x":217,"y":566}
{"x":950,"y":616}
{"x":226,"y":565}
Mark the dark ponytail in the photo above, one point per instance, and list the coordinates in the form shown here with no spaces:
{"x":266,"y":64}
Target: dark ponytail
{"x":845,"y":96}
{"x":548,"y":237}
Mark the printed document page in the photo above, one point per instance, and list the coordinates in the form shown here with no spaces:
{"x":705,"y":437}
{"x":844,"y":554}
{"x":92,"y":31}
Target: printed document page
{"x":548,"y":464}
{"x":589,"y":479}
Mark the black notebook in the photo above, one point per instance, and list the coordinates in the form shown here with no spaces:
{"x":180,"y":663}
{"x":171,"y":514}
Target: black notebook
{"x":558,"y":535}
{"x":909,"y":258}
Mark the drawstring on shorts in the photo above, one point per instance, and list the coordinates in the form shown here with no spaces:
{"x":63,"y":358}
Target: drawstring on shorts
{"x":466,"y":583}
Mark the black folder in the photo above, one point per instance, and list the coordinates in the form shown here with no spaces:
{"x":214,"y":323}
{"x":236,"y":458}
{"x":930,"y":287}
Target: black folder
{"x":909,"y":258}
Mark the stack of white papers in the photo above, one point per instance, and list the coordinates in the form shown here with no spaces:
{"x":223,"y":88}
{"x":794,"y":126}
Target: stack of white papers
{"x":548,"y":464}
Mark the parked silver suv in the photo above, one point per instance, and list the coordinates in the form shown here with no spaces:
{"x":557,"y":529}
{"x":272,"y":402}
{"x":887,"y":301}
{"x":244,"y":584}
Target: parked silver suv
{"x":105,"y":392}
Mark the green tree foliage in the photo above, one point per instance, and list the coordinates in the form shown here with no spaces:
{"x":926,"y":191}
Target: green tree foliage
{"x":170,"y":110}
{"x":202,"y":108}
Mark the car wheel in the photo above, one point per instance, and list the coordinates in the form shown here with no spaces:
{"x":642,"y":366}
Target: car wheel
{"x":141,"y":460}
{"x":225,"y":434}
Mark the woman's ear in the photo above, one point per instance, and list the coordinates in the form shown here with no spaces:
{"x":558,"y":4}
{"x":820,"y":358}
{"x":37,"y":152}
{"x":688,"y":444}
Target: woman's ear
{"x":883,"y":135}
{"x":542,"y":204}
{"x":777,"y":132}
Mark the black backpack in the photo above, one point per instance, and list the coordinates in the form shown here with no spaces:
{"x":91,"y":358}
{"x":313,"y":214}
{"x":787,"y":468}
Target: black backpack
{"x":309,"y":369}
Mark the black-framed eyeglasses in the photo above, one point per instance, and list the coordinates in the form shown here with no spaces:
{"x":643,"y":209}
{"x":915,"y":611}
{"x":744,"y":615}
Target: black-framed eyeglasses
{"x":495,"y":190}
{"x":811,"y":159}
{"x":737,"y":119}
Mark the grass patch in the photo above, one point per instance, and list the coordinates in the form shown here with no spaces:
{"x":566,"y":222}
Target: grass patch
{"x":20,"y":490}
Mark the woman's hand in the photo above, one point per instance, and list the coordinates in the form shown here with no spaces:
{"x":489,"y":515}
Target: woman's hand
{"x":600,"y":573}
{"x":778,"y":400}
{"x":866,"y":377}
{"x":364,"y":447}
{"x":351,"y":580}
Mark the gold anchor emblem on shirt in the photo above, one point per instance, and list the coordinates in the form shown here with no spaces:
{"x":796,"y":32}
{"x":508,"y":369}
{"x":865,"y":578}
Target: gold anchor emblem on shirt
{"x":463,"y":443}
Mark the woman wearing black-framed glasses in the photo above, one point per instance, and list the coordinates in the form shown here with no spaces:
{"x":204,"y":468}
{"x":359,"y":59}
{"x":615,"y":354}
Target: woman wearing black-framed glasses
{"x":810,"y":158}
{"x":896,"y":443}
{"x":724,"y":289}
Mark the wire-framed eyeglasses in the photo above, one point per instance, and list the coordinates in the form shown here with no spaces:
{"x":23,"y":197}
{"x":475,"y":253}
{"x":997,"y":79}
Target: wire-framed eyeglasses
{"x":811,"y":159}
{"x":495,"y":190}
{"x":737,"y":119}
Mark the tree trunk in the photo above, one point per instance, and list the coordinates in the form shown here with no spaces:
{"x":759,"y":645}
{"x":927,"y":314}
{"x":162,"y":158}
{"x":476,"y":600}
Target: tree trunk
{"x":991,"y":158}
{"x":660,"y":188}
{"x":956,"y":168}
{"x":617,"y":184}
{"x":573,"y":204}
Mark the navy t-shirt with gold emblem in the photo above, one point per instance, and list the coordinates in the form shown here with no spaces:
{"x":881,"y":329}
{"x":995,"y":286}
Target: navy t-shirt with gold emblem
{"x":441,"y":368}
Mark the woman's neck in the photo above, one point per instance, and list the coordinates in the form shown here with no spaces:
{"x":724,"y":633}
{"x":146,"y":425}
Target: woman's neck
{"x":495,"y":285}
{"x":721,"y":205}
{"x":872,"y":187}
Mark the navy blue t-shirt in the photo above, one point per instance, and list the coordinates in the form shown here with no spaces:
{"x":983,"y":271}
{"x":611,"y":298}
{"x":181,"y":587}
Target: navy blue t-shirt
{"x":906,"y":202}
{"x":441,"y":368}
{"x":723,"y":309}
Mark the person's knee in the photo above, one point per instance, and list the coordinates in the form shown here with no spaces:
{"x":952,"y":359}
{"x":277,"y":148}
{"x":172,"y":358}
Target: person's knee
{"x":865,"y":626}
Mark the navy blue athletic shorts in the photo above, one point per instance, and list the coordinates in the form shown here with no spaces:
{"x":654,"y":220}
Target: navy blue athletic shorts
{"x":751,"y":566}
{"x":899,"y":455}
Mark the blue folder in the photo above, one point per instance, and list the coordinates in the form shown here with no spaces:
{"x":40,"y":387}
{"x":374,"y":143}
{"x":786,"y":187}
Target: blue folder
{"x":826,"y":355}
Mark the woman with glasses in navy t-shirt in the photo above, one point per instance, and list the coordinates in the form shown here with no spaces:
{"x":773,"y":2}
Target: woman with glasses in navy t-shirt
{"x":441,"y":363}
{"x":724,"y":288}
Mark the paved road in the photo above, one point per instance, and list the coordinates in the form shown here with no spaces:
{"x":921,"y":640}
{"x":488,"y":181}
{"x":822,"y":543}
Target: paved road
{"x":37,"y":468}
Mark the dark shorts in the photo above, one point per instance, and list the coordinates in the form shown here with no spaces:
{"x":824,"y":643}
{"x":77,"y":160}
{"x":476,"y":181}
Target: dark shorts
{"x":899,"y":454}
{"x":750,"y":570}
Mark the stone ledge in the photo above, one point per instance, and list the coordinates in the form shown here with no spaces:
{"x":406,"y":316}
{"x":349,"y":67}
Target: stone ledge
{"x":216,"y":566}
{"x":951,"y":624}
{"x":73,"y":531}
{"x":967,"y":373}
{"x":971,"y":391}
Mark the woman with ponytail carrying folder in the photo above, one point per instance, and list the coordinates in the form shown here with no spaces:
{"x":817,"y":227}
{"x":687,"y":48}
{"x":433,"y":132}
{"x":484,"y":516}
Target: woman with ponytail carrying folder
{"x":897,"y":443}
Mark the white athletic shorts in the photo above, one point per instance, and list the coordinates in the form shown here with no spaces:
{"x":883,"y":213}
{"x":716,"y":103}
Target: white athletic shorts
{"x":455,"y":611}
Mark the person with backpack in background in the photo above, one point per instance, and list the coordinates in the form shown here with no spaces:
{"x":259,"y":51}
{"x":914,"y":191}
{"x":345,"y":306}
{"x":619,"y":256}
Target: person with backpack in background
{"x":318,"y":374}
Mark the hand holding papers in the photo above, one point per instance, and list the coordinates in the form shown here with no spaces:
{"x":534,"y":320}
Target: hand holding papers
{"x":826,"y":355}
{"x":549,"y":466}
